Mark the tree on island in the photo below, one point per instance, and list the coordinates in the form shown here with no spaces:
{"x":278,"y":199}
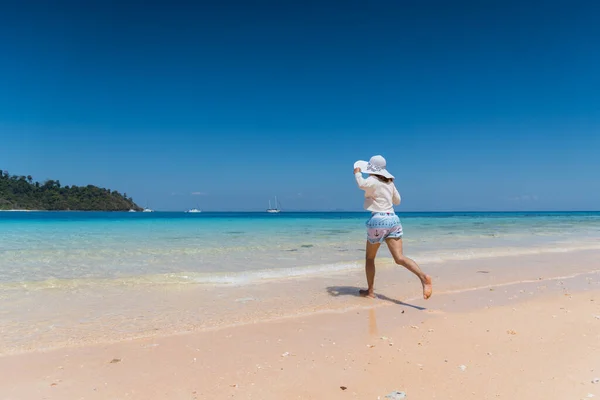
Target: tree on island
{"x":22,"y":193}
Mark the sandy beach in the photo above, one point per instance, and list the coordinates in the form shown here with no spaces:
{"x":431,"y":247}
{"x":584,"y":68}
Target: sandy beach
{"x":534,"y":340}
{"x":299,"y":201}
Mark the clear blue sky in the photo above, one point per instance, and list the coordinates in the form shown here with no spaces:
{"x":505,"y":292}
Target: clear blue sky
{"x":477,"y":105}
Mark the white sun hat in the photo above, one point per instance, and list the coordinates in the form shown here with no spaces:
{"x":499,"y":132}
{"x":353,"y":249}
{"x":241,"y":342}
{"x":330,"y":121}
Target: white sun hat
{"x":375,"y":166}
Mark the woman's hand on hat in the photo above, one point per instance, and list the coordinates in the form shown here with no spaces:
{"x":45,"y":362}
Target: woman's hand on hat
{"x":356,"y":170}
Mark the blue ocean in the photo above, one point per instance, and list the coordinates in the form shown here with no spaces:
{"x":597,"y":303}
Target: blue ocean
{"x":50,"y":248}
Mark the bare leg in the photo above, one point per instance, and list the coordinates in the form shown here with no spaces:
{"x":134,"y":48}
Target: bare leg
{"x":395,"y":246}
{"x":371,"y":253}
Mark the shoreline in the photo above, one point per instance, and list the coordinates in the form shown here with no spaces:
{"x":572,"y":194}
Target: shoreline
{"x":55,"y":211}
{"x":419,"y":347}
{"x":282,"y":274}
{"x":20,"y":210}
{"x":74,"y":317}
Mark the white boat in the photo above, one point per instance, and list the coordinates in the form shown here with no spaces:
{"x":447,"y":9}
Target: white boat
{"x":193,"y":210}
{"x":132,"y":210}
{"x":148,"y":210}
{"x":272,"y":210}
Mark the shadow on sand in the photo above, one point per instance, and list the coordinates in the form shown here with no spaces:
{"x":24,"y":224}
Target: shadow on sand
{"x":353,"y":291}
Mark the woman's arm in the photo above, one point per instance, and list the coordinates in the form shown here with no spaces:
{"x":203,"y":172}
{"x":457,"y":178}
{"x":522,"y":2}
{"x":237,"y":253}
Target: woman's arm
{"x":362,"y":182}
{"x":396,"y":198}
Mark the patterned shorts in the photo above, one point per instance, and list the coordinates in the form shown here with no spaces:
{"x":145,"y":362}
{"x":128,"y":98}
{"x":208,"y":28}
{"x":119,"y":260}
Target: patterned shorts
{"x":382,"y":226}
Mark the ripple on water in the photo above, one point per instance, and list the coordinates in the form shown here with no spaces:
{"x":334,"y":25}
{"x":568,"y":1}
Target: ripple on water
{"x":336,"y":231}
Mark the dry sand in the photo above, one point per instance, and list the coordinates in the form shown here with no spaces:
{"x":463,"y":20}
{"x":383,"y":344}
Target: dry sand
{"x":537,"y":340}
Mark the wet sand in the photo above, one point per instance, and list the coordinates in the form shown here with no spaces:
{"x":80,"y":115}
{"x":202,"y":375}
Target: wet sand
{"x":532,"y":340}
{"x":52,"y":318}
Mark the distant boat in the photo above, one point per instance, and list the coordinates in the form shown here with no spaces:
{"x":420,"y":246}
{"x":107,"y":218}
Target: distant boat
{"x":132,"y":210}
{"x":275,"y":210}
{"x":193,"y":210}
{"x":148,"y":210}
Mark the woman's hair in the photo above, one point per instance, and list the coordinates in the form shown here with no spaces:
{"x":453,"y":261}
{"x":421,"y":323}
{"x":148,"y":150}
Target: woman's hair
{"x":383,"y":178}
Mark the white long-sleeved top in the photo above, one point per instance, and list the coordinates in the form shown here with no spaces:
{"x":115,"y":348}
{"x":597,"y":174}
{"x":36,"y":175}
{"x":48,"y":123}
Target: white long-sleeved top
{"x":379,"y":196}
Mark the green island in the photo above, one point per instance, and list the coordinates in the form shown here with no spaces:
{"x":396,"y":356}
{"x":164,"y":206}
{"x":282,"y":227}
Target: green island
{"x":22,"y":193}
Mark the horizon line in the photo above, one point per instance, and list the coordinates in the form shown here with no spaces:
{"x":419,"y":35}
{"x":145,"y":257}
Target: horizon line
{"x":348,"y":211}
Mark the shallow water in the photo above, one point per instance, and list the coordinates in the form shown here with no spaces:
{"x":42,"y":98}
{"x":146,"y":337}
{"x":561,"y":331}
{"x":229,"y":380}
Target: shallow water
{"x":68,"y":247}
{"x":74,"y":278}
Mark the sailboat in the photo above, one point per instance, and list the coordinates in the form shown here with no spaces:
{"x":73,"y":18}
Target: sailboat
{"x":194,"y":210}
{"x":273,"y":210}
{"x":147,"y":209}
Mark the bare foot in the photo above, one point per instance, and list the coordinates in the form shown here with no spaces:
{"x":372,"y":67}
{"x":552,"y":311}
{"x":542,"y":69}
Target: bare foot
{"x":427,"y":287}
{"x":366,"y":293}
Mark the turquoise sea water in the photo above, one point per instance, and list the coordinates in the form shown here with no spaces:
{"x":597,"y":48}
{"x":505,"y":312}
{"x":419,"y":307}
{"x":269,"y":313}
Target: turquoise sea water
{"x":53,"y":248}
{"x":71,"y":278}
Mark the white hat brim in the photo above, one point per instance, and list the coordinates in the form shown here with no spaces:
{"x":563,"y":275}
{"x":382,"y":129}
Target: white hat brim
{"x":364,"y":168}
